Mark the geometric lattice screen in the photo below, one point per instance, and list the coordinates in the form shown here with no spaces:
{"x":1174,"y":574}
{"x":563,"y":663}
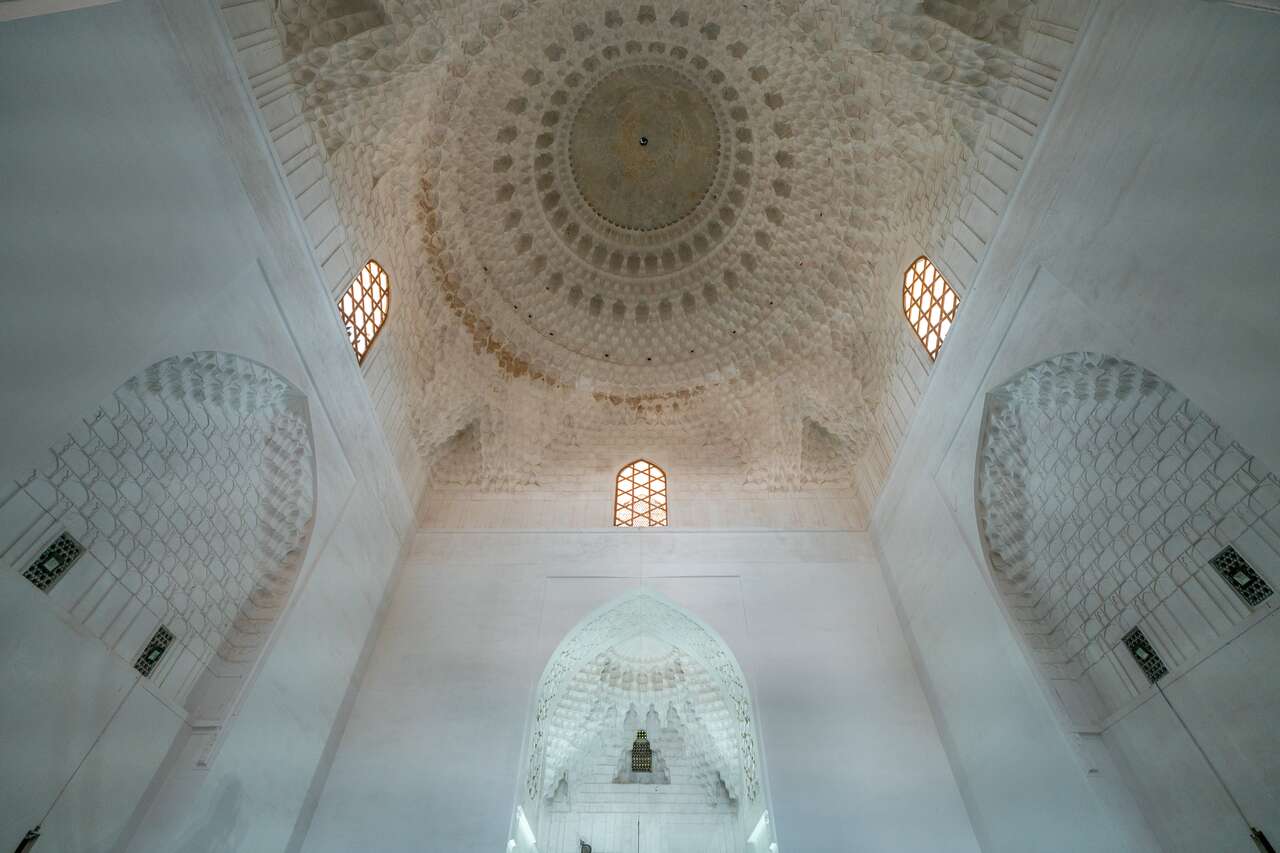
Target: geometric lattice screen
{"x":640,"y":499}
{"x":642,"y":753}
{"x":53,"y":562}
{"x":1242,"y":577}
{"x":929,"y":304}
{"x":149,"y":657}
{"x":1145,"y":655}
{"x":364,"y":307}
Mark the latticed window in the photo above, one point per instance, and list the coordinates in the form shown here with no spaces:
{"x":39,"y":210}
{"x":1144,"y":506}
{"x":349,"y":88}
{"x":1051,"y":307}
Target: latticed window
{"x":641,"y":753}
{"x":640,"y":499}
{"x":364,"y":307}
{"x":929,"y":304}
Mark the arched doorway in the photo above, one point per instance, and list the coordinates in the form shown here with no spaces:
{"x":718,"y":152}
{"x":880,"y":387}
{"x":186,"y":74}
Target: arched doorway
{"x":642,"y":740}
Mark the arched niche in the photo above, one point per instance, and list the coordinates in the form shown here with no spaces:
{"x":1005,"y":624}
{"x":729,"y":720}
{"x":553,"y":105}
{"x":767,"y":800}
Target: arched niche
{"x":184,"y":505}
{"x":1107,"y":505}
{"x":642,"y":663}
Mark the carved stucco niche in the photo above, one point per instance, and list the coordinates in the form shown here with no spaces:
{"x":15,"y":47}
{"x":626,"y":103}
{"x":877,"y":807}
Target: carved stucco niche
{"x":1102,"y":495}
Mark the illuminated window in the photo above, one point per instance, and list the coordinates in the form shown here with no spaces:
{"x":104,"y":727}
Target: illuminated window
{"x":929,"y":304}
{"x":364,"y":308}
{"x":641,"y":497}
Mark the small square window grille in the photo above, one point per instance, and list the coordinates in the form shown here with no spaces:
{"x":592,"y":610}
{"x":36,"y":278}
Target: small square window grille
{"x":154,"y":651}
{"x":53,"y":562}
{"x":1145,"y":654}
{"x":1241,"y":576}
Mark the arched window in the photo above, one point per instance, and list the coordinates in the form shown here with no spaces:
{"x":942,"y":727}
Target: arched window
{"x":364,"y":307}
{"x":929,"y":304}
{"x":640,"y":499}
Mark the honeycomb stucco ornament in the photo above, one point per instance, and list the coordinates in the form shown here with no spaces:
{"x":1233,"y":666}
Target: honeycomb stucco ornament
{"x":1102,"y":495}
{"x":193,"y":490}
{"x":766,"y":311}
{"x":708,"y":684}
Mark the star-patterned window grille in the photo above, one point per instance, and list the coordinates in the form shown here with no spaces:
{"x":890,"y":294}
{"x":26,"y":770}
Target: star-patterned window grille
{"x":640,"y":499}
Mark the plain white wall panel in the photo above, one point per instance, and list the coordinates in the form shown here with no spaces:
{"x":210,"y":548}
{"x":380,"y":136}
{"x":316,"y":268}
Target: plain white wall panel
{"x":852,"y":757}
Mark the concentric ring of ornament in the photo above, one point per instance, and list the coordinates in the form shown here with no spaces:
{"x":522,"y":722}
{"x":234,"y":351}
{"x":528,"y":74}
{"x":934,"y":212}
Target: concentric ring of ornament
{"x":664,"y":248}
{"x":644,"y":147}
{"x":689,"y":316}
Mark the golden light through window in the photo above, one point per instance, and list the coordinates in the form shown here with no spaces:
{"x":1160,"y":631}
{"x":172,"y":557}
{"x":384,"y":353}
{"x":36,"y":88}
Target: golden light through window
{"x":364,"y":308}
{"x":929,"y":304}
{"x":640,"y":499}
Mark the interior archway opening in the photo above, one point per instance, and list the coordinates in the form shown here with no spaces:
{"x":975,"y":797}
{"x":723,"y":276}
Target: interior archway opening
{"x":642,"y":739}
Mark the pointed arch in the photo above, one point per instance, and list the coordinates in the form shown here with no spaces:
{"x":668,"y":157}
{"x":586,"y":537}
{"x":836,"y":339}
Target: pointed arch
{"x":1123,"y":527}
{"x":189,"y":496}
{"x":640,"y":495}
{"x":562,"y":722}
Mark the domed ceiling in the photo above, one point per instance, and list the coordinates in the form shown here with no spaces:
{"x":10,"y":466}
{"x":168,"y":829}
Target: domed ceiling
{"x":688,"y":215}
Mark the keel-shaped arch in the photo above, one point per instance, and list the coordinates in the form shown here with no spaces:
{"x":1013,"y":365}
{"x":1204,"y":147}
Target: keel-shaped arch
{"x":643,"y":664}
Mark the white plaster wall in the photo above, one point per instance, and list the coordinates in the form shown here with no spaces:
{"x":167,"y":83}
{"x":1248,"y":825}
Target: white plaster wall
{"x":1144,"y":228}
{"x":432,"y":754}
{"x":1227,"y":703}
{"x":141,"y":218}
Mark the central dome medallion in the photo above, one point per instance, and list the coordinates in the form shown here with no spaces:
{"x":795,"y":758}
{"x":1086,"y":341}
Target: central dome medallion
{"x":644,"y":147}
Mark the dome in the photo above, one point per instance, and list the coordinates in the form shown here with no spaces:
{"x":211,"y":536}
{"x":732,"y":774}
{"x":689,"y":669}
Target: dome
{"x":688,"y":215}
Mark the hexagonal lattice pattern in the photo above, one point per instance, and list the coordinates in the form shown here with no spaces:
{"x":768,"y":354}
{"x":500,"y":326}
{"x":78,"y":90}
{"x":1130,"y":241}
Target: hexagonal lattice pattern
{"x":929,"y":304}
{"x":640,"y":498}
{"x":364,"y":307}
{"x":641,"y":753}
